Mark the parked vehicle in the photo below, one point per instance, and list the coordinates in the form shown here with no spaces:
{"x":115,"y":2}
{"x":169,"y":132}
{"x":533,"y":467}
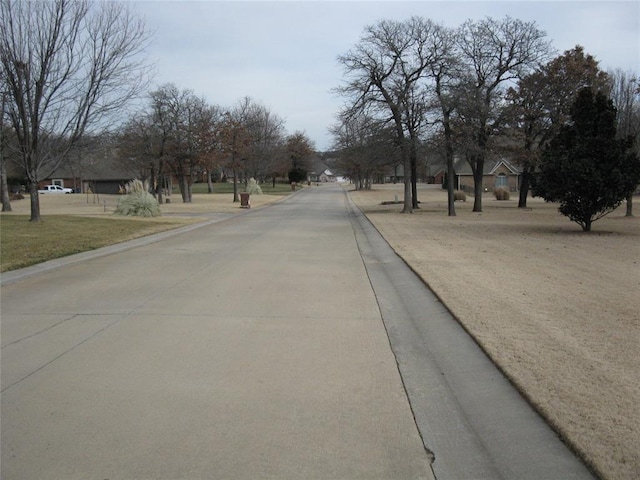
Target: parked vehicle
{"x":55,"y":189}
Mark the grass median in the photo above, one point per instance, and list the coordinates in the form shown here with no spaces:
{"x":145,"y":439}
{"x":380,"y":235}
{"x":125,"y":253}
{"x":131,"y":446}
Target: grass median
{"x":79,"y":223}
{"x":23,"y":243}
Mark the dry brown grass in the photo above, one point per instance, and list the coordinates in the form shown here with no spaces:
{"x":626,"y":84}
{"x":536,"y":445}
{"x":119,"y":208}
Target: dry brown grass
{"x":101,"y":205}
{"x":556,"y":308}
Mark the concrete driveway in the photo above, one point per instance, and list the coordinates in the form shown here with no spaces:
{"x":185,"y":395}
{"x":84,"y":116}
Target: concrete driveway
{"x":249,"y":348}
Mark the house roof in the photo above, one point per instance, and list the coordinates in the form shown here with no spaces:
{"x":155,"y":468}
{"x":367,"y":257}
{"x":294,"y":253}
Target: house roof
{"x":92,"y":168}
{"x":491,"y":166}
{"x":508,"y":165}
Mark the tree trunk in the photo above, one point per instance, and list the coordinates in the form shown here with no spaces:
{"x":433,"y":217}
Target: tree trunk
{"x":451,"y":173}
{"x":414,"y":176}
{"x":408,"y":203}
{"x":451,"y":186}
{"x":235,"y":186}
{"x":406,"y":163}
{"x":477,"y":184}
{"x":6,"y":201}
{"x":274,"y":182}
{"x":209,"y":182}
{"x":4,"y":187}
{"x":629,"y":205}
{"x":35,"y":202}
{"x":159,"y":189}
{"x":524,"y":188}
{"x":183,"y":184}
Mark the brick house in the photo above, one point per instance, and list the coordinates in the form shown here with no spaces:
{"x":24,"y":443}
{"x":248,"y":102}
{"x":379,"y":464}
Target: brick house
{"x":498,"y":172}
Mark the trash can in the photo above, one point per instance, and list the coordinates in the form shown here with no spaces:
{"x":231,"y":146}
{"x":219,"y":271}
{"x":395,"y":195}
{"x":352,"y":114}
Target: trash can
{"x":244,"y":200}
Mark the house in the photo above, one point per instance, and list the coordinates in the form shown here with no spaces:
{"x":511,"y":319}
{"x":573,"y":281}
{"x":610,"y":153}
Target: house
{"x":321,"y":173}
{"x":326,"y":176}
{"x":436,"y":173}
{"x":498,"y":172}
{"x":104,"y":175}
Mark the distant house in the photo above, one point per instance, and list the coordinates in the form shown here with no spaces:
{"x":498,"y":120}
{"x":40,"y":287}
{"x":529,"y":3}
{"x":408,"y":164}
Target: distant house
{"x":498,"y":172}
{"x":321,"y":173}
{"x":105,"y":175}
{"x":394,"y":174}
{"x":326,"y":176}
{"x":436,"y":173}
{"x":64,"y":176}
{"x":109,"y":176}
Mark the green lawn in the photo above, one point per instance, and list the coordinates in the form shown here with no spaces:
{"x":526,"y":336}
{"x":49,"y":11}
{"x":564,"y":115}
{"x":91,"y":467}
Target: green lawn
{"x":23,"y":243}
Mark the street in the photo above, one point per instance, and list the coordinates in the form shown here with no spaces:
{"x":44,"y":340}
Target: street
{"x":286,"y":342}
{"x":249,"y":348}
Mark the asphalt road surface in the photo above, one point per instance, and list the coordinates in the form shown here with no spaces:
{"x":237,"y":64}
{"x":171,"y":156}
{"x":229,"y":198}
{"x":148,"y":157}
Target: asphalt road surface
{"x":288,"y":342}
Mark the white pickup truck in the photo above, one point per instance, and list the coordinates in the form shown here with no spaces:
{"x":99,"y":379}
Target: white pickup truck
{"x":55,"y":189}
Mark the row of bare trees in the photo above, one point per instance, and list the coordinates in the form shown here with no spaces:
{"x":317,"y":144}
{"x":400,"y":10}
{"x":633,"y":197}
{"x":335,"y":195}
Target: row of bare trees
{"x":180,"y":135}
{"x":488,"y":86}
{"x":70,"y":71}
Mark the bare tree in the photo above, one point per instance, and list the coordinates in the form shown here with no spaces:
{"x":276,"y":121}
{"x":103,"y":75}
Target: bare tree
{"x":384,"y":69}
{"x":495,"y":53}
{"x":366,"y":149}
{"x":625,"y":94}
{"x":141,"y":145}
{"x":444,"y":71}
{"x":69,"y":65}
{"x":234,"y":141}
{"x":191,"y":139}
{"x":266,"y":132}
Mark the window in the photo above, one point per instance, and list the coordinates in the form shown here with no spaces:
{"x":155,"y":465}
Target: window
{"x":502,"y":180}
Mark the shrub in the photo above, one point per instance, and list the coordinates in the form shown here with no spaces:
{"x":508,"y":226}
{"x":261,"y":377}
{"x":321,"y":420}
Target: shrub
{"x":459,"y":195}
{"x":297,"y":175}
{"x":253,"y":188}
{"x":137,"y":202}
{"x":501,"y":193}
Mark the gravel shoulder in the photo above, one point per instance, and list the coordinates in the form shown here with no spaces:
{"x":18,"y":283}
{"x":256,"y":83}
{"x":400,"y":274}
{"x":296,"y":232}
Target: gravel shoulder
{"x":556,"y":309}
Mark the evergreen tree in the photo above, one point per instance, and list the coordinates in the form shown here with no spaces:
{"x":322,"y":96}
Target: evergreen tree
{"x":585,"y":167}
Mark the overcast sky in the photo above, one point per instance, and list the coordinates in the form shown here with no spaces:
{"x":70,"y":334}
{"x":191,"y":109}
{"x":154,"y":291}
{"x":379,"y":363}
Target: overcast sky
{"x":283,"y":54}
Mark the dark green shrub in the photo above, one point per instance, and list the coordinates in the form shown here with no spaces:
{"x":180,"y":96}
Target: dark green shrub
{"x":297,"y":175}
{"x":586,"y":168}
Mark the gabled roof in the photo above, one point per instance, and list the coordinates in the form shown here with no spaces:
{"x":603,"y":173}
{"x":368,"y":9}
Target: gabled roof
{"x":491,"y":165}
{"x":92,"y":168}
{"x":512,"y":168}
